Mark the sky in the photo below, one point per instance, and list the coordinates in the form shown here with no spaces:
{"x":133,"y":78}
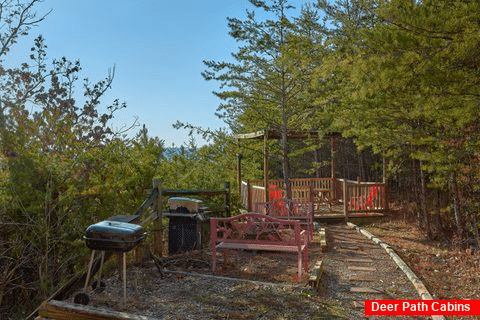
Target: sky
{"x":157,"y":48}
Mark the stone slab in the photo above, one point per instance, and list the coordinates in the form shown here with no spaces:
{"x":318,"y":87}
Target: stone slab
{"x":353,"y":252}
{"x":356,"y":268}
{"x":363,"y":290}
{"x":359,"y":260}
{"x":348,"y":246}
{"x":361,"y":278}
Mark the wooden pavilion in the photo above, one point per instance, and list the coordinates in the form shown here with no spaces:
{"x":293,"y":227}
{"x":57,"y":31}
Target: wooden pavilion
{"x":330,"y":195}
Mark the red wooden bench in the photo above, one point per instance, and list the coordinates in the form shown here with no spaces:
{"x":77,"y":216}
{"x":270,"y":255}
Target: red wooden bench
{"x":289,"y":209}
{"x":253,"y":231}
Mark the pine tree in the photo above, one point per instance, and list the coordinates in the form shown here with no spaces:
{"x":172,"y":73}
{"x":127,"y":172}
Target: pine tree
{"x":409,"y":85}
{"x":265,"y":87}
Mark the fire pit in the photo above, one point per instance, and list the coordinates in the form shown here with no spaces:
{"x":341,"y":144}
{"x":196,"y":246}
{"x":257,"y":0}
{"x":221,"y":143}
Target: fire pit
{"x":110,"y":236}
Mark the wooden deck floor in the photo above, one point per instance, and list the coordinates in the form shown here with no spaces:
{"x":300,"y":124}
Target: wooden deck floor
{"x":326,"y":212}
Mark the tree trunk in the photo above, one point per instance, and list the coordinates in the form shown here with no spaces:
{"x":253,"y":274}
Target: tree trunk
{"x":436,"y":223}
{"x":459,"y":219}
{"x":286,"y":161}
{"x":475,"y":228}
{"x":423,"y":203}
{"x":416,"y":193}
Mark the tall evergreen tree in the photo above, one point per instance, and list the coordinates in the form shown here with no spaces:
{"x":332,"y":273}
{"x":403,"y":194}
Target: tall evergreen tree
{"x":409,"y":85}
{"x":265,"y":87}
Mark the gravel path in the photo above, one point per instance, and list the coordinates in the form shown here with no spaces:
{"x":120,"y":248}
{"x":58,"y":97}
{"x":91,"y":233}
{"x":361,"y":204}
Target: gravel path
{"x":357,"y":269}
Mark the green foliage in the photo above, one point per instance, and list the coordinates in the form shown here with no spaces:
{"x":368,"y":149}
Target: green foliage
{"x":62,"y":168}
{"x":398,"y":77}
{"x":414,"y":81}
{"x":267,"y":85}
{"x":401,"y":77}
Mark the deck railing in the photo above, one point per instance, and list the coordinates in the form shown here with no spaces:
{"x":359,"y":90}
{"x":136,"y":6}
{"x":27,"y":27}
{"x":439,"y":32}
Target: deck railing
{"x":303,"y":189}
{"x":363,"y":196}
{"x":355,"y":196}
{"x":251,"y":194}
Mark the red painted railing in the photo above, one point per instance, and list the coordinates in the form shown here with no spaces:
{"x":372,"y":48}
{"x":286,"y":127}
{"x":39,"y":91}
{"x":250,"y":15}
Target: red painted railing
{"x":355,"y":196}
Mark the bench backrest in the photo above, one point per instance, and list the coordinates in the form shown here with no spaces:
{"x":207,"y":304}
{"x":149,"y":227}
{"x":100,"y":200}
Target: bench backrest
{"x":286,"y":208}
{"x":256,"y":228}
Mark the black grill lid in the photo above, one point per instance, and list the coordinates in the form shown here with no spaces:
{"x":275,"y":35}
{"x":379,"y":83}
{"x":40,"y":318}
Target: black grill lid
{"x":114,"y":236}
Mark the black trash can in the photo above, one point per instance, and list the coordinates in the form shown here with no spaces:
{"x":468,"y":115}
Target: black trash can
{"x":187,"y":230}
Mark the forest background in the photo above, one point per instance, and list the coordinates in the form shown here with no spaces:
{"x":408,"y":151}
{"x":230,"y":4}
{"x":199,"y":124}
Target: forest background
{"x":398,"y":80}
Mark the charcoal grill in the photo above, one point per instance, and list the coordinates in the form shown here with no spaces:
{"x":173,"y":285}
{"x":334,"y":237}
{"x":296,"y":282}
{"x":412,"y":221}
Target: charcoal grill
{"x":114,"y":236}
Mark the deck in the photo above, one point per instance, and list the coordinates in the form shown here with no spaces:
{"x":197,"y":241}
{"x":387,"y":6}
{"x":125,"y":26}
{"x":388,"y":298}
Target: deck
{"x":332,"y":198}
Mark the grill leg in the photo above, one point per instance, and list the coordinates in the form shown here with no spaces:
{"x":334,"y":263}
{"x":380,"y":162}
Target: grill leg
{"x":101,"y":267}
{"x":124,"y":278}
{"x":89,"y":272}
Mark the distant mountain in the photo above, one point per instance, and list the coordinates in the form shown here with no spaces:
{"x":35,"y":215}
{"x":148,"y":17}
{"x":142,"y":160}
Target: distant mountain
{"x":172,"y":151}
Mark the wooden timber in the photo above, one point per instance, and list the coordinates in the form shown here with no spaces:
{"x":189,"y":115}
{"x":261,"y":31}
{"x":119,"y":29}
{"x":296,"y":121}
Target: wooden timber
{"x":61,"y":310}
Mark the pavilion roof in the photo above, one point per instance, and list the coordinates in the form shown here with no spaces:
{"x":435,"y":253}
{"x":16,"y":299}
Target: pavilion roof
{"x":276,"y":134}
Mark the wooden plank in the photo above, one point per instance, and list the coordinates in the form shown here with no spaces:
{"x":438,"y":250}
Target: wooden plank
{"x":348,"y":246}
{"x":263,"y":247}
{"x":323,"y":239}
{"x":355,"y":268}
{"x":275,"y":134}
{"x":362,"y":278}
{"x":252,"y":135}
{"x":354,"y":252}
{"x":60,"y":310}
{"x":316,"y":276}
{"x":360,"y":260}
{"x":363,"y":290}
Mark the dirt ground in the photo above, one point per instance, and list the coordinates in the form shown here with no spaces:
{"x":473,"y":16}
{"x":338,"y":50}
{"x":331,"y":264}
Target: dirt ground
{"x":256,"y":285}
{"x":262,"y":285}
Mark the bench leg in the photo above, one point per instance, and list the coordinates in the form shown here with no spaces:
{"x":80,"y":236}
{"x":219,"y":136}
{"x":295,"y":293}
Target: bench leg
{"x":214,"y":259}
{"x":299,"y":266}
{"x":306,"y":260}
{"x":302,"y":260}
{"x":226,"y":260}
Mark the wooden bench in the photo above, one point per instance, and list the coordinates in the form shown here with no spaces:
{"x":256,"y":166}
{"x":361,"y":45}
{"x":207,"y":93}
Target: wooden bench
{"x":289,"y":209}
{"x":253,"y":231}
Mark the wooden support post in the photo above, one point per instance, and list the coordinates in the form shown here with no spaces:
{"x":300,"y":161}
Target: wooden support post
{"x":333,"y":167}
{"x":385,"y":187}
{"x":345,"y":200}
{"x":265,"y":164}
{"x":226,"y":187}
{"x":249,"y":196}
{"x":239,"y":172}
{"x":158,"y":221}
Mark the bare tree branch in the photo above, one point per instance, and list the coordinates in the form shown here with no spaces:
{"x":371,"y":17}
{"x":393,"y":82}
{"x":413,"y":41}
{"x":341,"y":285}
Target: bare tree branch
{"x":18,"y":19}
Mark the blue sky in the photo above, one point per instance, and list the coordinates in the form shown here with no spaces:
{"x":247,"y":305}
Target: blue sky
{"x":157,"y":47}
